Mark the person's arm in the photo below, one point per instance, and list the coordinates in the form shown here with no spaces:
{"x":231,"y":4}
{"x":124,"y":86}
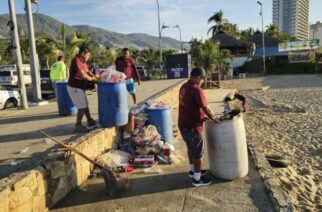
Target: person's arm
{"x":83,"y":71}
{"x":210,"y":114}
{"x":202,"y":102}
{"x":136,"y":72}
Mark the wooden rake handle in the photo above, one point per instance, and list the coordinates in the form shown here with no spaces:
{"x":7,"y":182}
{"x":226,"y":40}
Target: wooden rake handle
{"x":73,"y":150}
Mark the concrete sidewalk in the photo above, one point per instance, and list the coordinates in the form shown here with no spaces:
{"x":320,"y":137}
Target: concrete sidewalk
{"x":20,"y":140}
{"x":171,"y":190}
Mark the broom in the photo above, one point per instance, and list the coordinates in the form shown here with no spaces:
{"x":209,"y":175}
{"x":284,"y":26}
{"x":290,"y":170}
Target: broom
{"x":113,"y":185}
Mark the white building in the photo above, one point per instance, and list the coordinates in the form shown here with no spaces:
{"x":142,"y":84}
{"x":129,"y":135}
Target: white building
{"x":316,"y":31}
{"x":292,"y":17}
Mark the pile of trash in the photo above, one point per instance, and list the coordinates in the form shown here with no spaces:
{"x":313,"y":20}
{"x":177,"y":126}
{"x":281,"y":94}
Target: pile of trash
{"x":110,"y":75}
{"x":141,"y":145}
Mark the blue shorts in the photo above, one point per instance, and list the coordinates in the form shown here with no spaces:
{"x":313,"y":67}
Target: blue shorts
{"x":130,"y":86}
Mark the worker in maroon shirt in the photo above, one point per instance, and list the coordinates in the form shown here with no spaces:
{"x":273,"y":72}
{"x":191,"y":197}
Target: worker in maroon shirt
{"x":79,"y":75}
{"x":193,"y":110}
{"x":126,"y":64}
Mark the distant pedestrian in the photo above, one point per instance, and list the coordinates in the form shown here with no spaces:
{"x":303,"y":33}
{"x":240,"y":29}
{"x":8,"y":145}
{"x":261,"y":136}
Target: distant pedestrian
{"x":126,"y":64}
{"x":79,"y":76}
{"x":58,"y":72}
{"x":193,"y":110}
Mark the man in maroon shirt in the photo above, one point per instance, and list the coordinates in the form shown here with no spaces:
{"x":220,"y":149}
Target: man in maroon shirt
{"x":79,"y":75}
{"x":193,"y":110}
{"x":126,"y":64}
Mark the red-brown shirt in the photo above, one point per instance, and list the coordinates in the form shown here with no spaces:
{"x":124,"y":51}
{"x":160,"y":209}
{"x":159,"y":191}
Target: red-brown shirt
{"x":191,"y":101}
{"x":76,"y":80}
{"x":128,"y":67}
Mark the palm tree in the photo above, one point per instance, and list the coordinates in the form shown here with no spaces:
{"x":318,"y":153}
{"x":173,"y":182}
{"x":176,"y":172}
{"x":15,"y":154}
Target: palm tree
{"x":208,"y":56}
{"x":218,"y":19}
{"x":212,"y":57}
{"x":195,"y":51}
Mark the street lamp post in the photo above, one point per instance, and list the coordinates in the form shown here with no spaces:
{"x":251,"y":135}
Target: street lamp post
{"x":33,"y":52}
{"x":263,"y":35}
{"x":159,"y":28}
{"x":12,"y":26}
{"x":177,"y":26}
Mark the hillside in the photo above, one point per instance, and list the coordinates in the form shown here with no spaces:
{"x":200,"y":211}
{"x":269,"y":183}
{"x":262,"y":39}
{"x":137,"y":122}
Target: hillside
{"x":49,"y":25}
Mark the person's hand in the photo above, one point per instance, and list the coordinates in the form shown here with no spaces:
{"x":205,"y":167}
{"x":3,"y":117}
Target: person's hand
{"x":216,"y":120}
{"x":95,"y":79}
{"x":139,"y":83}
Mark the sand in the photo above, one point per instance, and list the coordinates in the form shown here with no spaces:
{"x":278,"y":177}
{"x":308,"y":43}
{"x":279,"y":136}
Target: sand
{"x":286,"y":120}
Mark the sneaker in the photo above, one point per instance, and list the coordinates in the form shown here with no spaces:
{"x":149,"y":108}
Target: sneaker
{"x":203,"y":173}
{"x":80,"y":129}
{"x":91,"y":124}
{"x":202,"y":182}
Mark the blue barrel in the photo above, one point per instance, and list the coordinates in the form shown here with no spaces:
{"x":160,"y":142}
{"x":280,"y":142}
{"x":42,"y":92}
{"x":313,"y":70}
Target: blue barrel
{"x":112,"y":104}
{"x":65,"y":105}
{"x":162,"y":120}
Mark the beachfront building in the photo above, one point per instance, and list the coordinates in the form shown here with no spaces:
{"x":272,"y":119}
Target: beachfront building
{"x":292,"y":17}
{"x":241,"y":50}
{"x":316,"y":31}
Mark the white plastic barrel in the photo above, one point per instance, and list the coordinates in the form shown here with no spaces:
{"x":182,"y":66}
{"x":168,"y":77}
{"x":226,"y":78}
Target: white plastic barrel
{"x":227,"y":148}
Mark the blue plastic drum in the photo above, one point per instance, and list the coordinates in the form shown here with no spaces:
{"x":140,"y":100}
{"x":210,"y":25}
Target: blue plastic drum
{"x":162,"y":120}
{"x":112,"y":104}
{"x":64,"y":102}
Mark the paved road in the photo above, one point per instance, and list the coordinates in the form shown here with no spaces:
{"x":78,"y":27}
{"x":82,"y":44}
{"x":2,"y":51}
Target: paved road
{"x":19,"y":129}
{"x":171,"y":190}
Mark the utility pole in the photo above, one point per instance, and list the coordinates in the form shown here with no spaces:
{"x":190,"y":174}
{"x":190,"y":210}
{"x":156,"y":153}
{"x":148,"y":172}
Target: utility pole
{"x":33,"y":52}
{"x":12,"y":26}
{"x":159,"y":27}
{"x":263,"y":36}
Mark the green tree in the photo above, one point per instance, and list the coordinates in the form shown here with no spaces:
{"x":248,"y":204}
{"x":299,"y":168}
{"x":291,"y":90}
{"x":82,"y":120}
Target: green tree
{"x":195,"y":51}
{"x":246,"y":33}
{"x":273,"y":31}
{"x":231,"y":30}
{"x":103,"y":56}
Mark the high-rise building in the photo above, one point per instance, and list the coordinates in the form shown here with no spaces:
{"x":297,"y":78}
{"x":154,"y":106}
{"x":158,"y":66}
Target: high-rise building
{"x":292,"y":17}
{"x":316,"y":31}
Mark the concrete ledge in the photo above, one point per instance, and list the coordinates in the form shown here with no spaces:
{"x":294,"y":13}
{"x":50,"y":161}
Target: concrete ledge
{"x":42,"y":187}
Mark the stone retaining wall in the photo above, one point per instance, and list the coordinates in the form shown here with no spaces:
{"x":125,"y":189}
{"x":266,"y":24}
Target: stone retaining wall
{"x":42,"y":187}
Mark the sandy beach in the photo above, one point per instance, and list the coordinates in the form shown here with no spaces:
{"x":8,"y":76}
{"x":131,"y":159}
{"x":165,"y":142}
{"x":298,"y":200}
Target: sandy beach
{"x":285,"y":118}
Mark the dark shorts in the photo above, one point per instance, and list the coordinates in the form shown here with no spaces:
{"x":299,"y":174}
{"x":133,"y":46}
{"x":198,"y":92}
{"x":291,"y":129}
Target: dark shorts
{"x":194,"y":142}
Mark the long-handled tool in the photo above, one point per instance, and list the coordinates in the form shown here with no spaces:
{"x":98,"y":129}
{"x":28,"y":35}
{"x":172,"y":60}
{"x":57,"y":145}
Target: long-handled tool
{"x":112,"y":179}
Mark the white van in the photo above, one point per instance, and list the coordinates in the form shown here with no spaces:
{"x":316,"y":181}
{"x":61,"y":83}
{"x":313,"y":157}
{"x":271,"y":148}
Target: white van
{"x":8,"y":75}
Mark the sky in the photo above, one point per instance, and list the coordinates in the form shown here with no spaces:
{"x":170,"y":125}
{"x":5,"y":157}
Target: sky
{"x":141,"y":16}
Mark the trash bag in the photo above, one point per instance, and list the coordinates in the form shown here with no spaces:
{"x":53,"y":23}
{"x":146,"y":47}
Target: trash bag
{"x":114,"y":158}
{"x":111,"y":75}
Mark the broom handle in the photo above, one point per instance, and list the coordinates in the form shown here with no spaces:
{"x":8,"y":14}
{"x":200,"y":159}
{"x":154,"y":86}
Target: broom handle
{"x":73,"y":150}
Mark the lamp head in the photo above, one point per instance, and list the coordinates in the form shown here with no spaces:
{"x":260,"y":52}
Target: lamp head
{"x":260,"y":3}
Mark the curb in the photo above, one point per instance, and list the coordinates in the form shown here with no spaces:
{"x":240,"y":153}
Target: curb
{"x":278,"y":198}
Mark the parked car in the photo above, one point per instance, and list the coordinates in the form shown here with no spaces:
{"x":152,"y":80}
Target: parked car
{"x":9,"y":97}
{"x":9,"y":77}
{"x":45,"y":83}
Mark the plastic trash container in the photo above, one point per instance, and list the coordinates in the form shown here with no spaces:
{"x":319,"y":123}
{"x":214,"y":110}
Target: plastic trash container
{"x":162,"y":120}
{"x":227,"y":148}
{"x":65,"y":105}
{"x":112,"y":104}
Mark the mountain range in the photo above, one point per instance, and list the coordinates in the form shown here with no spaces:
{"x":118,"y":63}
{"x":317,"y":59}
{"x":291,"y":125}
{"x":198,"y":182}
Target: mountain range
{"x":48,"y":25}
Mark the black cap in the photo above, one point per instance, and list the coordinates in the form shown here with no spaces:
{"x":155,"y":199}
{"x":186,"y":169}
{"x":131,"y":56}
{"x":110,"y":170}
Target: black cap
{"x":198,"y":72}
